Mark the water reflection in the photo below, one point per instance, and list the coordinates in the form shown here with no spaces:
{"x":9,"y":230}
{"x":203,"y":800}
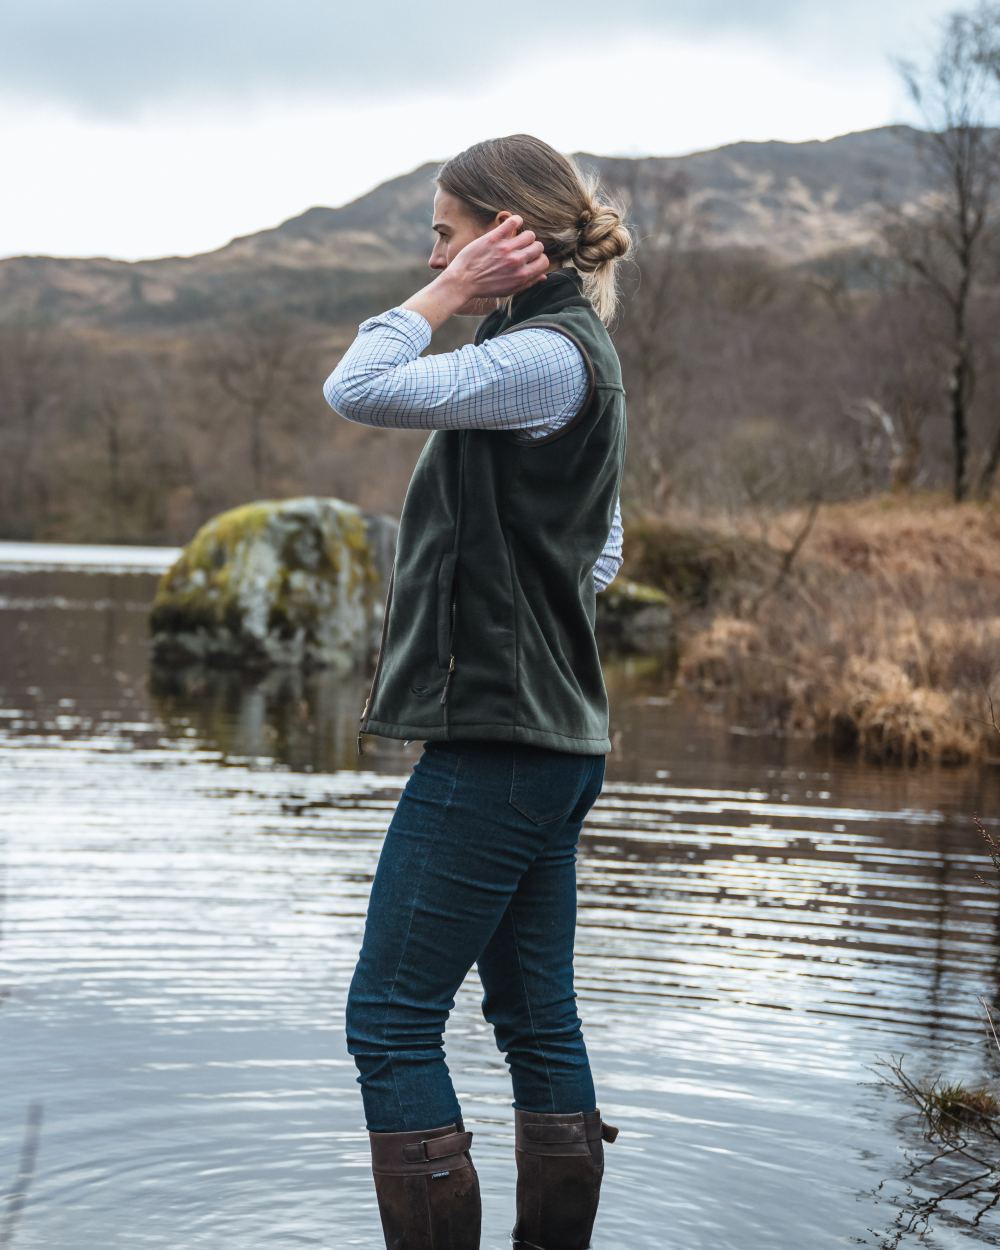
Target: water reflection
{"x":305,"y":721}
{"x":186,"y":862}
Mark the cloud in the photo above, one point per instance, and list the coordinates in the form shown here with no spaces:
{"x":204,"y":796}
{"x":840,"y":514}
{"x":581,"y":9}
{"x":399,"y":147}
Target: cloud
{"x":171,"y":183}
{"x":119,"y":59}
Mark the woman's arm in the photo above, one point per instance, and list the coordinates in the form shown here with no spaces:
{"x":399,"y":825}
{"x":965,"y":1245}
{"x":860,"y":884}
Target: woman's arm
{"x":533,"y":379}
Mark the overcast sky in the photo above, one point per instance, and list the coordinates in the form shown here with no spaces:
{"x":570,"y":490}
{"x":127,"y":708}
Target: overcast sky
{"x":132,"y":130}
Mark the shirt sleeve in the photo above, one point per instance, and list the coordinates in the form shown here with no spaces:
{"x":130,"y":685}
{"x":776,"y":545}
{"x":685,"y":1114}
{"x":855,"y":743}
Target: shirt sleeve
{"x":533,"y":380}
{"x":610,"y":559}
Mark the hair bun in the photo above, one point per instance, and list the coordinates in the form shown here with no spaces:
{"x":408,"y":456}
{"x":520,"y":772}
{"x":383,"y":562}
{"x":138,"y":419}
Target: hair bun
{"x":602,"y":237}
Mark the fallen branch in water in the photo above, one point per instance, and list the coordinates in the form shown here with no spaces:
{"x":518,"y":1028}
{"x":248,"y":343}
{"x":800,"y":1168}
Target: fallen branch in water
{"x":964,"y":1122}
{"x":964,"y":1125}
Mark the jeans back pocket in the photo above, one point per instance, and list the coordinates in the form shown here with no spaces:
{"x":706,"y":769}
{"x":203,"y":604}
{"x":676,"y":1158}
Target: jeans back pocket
{"x":545,"y":785}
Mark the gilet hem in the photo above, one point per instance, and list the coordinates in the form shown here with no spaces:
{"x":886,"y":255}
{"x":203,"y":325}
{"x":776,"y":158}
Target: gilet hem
{"x":501,"y":733}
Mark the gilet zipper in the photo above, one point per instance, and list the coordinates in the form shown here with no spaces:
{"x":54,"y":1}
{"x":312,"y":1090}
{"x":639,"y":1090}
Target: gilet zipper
{"x":451,"y":661}
{"x":378,"y":663}
{"x":458,"y":538}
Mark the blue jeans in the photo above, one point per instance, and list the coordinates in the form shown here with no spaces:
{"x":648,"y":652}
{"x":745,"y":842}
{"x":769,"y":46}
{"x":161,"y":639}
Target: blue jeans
{"x":478,"y":866}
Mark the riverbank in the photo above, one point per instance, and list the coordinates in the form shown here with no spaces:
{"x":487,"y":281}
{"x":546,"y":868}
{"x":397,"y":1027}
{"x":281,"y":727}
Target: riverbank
{"x":872,"y":626}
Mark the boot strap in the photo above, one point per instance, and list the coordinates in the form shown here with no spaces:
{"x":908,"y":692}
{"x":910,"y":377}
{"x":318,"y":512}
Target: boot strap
{"x":535,"y":1133}
{"x":437,"y":1147}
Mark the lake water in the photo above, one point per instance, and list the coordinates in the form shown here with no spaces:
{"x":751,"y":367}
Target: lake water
{"x":185,"y":869}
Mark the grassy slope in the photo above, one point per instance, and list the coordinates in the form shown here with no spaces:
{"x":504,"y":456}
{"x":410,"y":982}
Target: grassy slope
{"x":883,"y":637}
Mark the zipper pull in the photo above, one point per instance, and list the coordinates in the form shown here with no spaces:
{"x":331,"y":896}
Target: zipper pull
{"x":447,"y":680}
{"x":361,"y":719}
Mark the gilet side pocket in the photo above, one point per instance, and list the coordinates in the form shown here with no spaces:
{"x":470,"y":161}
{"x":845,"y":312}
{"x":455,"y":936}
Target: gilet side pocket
{"x":445,"y":590}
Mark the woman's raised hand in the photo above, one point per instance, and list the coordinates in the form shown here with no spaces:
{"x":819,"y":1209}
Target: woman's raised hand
{"x":501,"y":261}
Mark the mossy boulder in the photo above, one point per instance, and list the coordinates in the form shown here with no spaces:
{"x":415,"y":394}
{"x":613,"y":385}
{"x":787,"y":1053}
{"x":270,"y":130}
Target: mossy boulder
{"x":637,"y":619}
{"x":277,"y":582}
{"x":303,"y":582}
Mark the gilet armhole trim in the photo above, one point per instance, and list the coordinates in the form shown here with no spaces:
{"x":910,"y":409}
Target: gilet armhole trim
{"x":588,"y":399}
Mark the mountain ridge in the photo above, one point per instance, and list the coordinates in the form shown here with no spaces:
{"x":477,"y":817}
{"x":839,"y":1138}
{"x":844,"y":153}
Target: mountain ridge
{"x":798,"y":202}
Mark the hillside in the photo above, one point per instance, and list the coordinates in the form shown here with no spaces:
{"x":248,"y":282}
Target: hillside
{"x":797,"y":201}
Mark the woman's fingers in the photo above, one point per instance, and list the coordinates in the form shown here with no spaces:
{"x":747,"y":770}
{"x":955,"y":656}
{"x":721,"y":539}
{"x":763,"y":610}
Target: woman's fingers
{"x":503,"y":260}
{"x":534,"y":271}
{"x":529,"y":253}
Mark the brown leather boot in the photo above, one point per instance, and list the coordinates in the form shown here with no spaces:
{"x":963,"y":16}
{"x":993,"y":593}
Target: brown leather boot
{"x":560,"y":1166}
{"x":427,"y":1189}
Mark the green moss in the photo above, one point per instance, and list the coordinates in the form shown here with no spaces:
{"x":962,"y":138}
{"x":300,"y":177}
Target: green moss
{"x":210,"y":552}
{"x":624,"y":591}
{"x":332,"y":554}
{"x":215,"y":543}
{"x":354,"y":538}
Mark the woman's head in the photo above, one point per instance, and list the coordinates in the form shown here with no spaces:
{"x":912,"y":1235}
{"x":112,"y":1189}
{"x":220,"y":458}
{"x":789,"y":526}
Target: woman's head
{"x":577,"y":223}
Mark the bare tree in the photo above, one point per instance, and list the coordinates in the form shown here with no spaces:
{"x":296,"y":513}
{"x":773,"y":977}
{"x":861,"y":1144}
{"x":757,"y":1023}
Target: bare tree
{"x":647,"y":341}
{"x":960,"y":149}
{"x":987,"y":19}
{"x":891,"y":342}
{"x":253,"y":364}
{"x":103,"y":408}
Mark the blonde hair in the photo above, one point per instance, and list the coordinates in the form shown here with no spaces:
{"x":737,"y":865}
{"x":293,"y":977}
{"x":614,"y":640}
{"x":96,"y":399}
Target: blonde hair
{"x":571,"y":215}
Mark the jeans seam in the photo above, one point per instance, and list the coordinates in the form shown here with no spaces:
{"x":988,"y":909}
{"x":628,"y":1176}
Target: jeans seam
{"x":406,"y":940}
{"x":527,"y":1003}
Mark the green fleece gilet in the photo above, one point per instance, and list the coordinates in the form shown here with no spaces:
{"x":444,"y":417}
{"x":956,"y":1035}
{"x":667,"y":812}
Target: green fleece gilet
{"x":490,"y":611}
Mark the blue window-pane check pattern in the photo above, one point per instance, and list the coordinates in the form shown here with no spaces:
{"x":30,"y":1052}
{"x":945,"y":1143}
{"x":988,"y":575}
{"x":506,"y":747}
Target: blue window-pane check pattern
{"x":532,"y":382}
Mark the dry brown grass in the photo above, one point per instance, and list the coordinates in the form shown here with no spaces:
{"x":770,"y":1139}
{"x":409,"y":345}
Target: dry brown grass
{"x":884,"y":637}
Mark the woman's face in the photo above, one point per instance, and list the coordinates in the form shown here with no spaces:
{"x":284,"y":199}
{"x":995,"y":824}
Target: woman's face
{"x":455,"y":227}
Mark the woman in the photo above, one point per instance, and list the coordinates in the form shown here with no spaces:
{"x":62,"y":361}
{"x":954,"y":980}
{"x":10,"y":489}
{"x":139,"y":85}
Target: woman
{"x":510,"y":526}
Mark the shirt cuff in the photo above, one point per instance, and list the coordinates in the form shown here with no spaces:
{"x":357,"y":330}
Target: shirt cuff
{"x":407,"y":322}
